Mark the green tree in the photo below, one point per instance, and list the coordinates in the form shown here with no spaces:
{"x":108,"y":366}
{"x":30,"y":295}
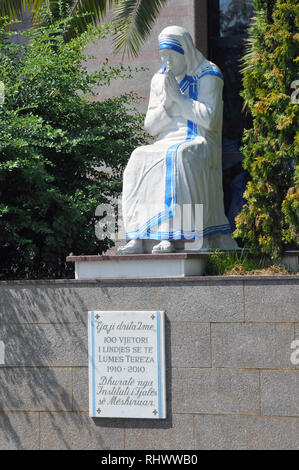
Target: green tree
{"x":270,"y":219}
{"x":55,"y":147}
{"x":135,"y":18}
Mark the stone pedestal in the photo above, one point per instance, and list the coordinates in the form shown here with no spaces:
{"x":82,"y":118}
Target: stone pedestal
{"x":139,"y":266}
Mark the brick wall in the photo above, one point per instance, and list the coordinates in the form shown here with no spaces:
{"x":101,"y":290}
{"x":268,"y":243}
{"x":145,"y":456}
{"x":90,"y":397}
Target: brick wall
{"x":230,"y":381}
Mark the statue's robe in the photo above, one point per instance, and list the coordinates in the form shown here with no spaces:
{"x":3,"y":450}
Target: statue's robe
{"x":183,"y":167}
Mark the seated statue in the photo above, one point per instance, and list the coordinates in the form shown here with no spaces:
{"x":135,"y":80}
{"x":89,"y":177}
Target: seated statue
{"x":183,"y":167}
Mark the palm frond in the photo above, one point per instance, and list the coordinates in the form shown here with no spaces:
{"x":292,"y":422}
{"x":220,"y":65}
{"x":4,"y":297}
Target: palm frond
{"x":137,"y":16}
{"x":98,"y":8}
{"x":37,"y":4}
{"x":15,"y":9}
{"x":12,"y":8}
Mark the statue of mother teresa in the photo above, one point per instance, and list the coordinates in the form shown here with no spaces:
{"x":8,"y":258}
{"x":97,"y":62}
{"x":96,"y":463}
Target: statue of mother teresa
{"x":182,"y":171}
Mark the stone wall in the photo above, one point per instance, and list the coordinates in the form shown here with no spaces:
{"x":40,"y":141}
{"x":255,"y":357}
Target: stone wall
{"x":231,"y":383}
{"x":176,"y":12}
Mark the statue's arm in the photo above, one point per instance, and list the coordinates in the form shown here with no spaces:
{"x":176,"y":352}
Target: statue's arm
{"x":157,"y":119}
{"x":205,"y":110}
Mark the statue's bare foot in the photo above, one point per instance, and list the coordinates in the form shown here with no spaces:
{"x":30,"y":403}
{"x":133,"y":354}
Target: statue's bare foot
{"x":132,"y":247}
{"x":165,"y":246}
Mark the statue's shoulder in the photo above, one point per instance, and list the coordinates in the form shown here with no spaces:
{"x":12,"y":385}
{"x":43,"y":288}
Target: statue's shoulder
{"x":208,"y":68}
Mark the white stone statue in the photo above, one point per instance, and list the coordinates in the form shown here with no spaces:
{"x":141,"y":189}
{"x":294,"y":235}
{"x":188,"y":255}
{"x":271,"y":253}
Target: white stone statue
{"x":183,"y":166}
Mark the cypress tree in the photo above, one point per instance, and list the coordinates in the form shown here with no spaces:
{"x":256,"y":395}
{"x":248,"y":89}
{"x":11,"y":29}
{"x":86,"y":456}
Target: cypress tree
{"x":269,"y":220}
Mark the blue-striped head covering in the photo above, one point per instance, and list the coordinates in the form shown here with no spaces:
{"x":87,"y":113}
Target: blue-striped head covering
{"x":171,"y":43}
{"x":176,"y":36}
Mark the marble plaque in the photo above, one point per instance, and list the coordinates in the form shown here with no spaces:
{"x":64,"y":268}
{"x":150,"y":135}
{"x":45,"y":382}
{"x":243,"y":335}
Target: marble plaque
{"x":127,"y":364}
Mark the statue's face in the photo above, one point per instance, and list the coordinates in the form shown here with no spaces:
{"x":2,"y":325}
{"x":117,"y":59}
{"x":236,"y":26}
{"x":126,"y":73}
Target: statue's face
{"x":174,"y":61}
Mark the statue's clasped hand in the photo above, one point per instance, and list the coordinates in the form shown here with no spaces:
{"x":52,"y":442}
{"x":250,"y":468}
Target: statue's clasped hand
{"x":173,"y":97}
{"x":172,"y":86}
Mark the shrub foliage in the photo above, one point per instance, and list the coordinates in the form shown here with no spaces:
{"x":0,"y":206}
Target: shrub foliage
{"x":56,"y":140}
{"x":270,"y":219}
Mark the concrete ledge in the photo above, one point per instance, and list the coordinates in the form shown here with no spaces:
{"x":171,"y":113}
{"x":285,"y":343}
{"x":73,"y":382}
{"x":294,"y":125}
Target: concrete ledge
{"x":139,"y":266}
{"x":145,"y":280}
{"x":134,"y":257}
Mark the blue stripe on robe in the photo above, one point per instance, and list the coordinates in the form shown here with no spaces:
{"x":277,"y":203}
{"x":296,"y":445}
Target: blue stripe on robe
{"x":145,"y":231}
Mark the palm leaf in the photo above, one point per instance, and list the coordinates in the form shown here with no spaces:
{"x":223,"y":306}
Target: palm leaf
{"x":15,"y":9}
{"x":135,"y":16}
{"x":12,"y":8}
{"x":138,"y":17}
{"x":98,"y":8}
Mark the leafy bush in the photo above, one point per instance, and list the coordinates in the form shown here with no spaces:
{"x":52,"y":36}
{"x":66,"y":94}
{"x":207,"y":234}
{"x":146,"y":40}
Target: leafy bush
{"x":55,"y":144}
{"x":270,"y":219}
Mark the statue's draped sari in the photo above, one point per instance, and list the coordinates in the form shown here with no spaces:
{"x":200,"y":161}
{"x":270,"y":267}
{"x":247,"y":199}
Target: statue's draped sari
{"x":183,"y":167}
